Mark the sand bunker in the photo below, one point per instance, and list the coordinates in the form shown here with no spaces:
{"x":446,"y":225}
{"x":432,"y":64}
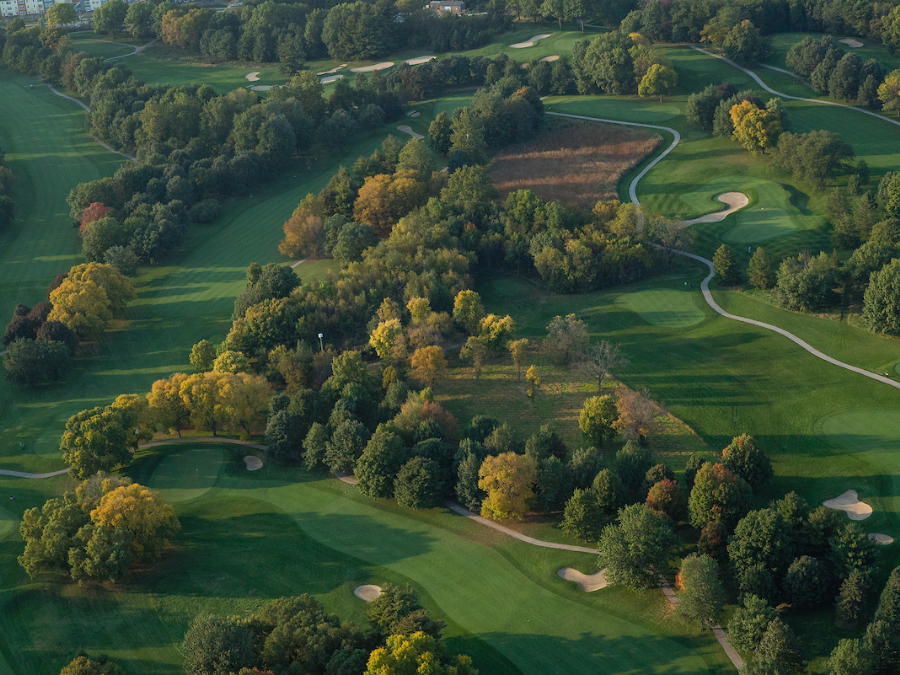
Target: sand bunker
{"x":331,"y":78}
{"x":333,"y":70}
{"x":850,"y":42}
{"x":253,"y":77}
{"x":588,"y":583}
{"x":735,"y":202}
{"x":555,"y":57}
{"x":371,"y":69}
{"x":408,"y":130}
{"x":530,"y":43}
{"x":262,"y":87}
{"x":367,"y":592}
{"x":882,"y":539}
{"x":419,"y":59}
{"x":849,"y":502}
{"x":253,"y":463}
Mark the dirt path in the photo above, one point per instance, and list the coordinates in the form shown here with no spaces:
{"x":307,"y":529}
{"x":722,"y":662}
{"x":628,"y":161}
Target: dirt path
{"x":96,"y":140}
{"x":704,"y":286}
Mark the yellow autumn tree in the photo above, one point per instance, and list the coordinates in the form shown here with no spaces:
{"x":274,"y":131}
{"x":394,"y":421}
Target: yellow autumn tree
{"x":508,"y":479}
{"x":89,"y":297}
{"x":756,"y":129}
{"x":142,"y":512}
{"x":244,"y":400}
{"x":304,"y":232}
{"x":385,"y":337}
{"x":200,"y":393}
{"x":373,"y":204}
{"x":428,"y":364}
{"x":166,"y":406}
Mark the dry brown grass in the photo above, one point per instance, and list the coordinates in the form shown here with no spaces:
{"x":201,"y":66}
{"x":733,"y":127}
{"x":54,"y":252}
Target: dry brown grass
{"x":573,"y":163}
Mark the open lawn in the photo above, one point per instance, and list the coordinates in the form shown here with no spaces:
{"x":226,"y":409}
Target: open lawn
{"x":572,"y":163}
{"x":104,"y":49}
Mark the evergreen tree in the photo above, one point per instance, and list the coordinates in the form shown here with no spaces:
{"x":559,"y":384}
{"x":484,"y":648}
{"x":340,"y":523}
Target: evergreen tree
{"x":852,"y":600}
{"x":759,"y":270}
{"x":725,"y":266}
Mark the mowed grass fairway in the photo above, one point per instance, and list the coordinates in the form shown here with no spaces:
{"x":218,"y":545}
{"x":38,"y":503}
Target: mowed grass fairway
{"x":273,"y":532}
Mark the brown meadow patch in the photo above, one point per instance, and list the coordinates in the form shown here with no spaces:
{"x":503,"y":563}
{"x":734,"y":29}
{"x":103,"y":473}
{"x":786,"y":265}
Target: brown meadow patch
{"x":573,"y":163}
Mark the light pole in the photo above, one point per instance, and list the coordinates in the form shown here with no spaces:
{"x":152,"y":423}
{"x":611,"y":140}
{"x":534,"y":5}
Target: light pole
{"x":321,"y":346}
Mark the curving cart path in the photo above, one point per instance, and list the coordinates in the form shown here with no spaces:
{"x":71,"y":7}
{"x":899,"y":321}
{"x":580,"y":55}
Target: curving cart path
{"x":87,"y":109}
{"x":704,"y":285}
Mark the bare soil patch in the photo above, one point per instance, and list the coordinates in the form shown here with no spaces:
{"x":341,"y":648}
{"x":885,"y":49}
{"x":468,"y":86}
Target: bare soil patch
{"x":574,"y":163}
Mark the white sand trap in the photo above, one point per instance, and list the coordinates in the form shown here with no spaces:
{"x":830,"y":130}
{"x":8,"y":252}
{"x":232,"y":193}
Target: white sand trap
{"x":253,"y":77}
{"x":367,"y":592}
{"x":406,"y":129}
{"x":555,"y":57}
{"x":372,"y":69}
{"x":850,"y":42}
{"x":253,"y":463}
{"x":333,"y":70}
{"x":882,"y":539}
{"x":414,"y":114}
{"x":419,"y":59}
{"x":588,"y":583}
{"x":735,"y":202}
{"x":262,"y":87}
{"x":849,"y":502}
{"x":331,"y":78}
{"x":530,"y":43}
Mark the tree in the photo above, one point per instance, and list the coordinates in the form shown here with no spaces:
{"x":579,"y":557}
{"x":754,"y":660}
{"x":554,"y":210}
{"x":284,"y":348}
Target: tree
{"x":744,"y":44}
{"x":583,"y":517}
{"x":140,"y":18}
{"x":881,"y":304}
{"x":851,"y":548}
{"x":852,"y":600}
{"x":82,"y":664}
{"x":533,"y":384}
{"x":805,"y":583}
{"x":142,"y":512}
{"x":97,"y":439}
{"x":601,"y":359}
{"x":379,"y":464}
{"x":779,"y":646}
{"x":304,"y":233}
{"x":418,"y":484}
{"x":468,"y":311}
{"x":889,"y":603}
{"x":744,"y":458}
{"x":718,"y":495}
{"x":507,"y":479}
{"x":428,"y":364}
{"x":109,"y":17}
{"x":61,"y":14}
{"x":475,"y":351}
{"x":880,"y":641}
{"x":202,"y":356}
{"x":285,"y":432}
{"x":392,"y":606}
{"x":659,"y":81}
{"x":727,"y":273}
{"x":518,"y":350}
{"x":89,"y":297}
{"x":346,"y":446}
{"x":608,"y":491}
{"x":759,"y":271}
{"x":850,"y":657}
{"x":217,"y":645}
{"x":889,"y":91}
{"x":632,"y":463}
{"x":597,"y":418}
{"x":166,"y":406}
{"x":702,"y":597}
{"x":761,"y":538}
{"x":638,"y":415}
{"x":497,"y":331}
{"x":636,"y":550}
{"x":749,"y":622}
{"x":439,"y":132}
{"x":666,"y":496}
{"x":414,"y":653}
{"x":30,"y":362}
{"x":754,"y":128}
{"x":567,"y":336}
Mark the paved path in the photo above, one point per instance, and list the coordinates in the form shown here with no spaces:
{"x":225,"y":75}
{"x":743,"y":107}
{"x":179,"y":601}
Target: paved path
{"x":20,"y":474}
{"x":769,"y":89}
{"x":122,"y":44}
{"x":704,"y":286}
{"x":97,"y":140}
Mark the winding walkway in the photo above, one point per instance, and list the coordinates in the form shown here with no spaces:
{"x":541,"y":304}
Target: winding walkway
{"x":96,"y":140}
{"x":704,"y":286}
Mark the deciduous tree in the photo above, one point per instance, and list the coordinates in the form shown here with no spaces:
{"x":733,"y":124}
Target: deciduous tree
{"x":468,"y":311}
{"x":507,"y":479}
{"x":601,"y":359}
{"x":749,"y":622}
{"x":636,"y":550}
{"x":142,"y":512}
{"x":518,"y":350}
{"x":583,"y":517}
{"x":475,"y":351}
{"x":567,"y":336}
{"x":718,"y":495}
{"x":597,"y":418}
{"x":702,"y":597}
{"x":428,"y":364}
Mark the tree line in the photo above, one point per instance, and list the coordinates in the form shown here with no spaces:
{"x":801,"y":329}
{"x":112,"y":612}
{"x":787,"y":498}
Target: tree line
{"x":7,"y":180}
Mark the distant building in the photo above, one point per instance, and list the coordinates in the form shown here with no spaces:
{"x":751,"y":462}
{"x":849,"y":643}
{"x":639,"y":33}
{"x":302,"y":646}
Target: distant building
{"x":26,"y":7}
{"x":451,"y":6}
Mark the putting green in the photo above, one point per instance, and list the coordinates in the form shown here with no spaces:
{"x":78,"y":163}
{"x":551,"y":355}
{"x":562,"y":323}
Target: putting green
{"x":770,"y":213}
{"x":665,"y":307}
{"x":187,"y":472}
{"x":8,"y":522}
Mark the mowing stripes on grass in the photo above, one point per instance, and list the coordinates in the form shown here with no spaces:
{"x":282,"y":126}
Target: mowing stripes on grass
{"x":187,"y":473}
{"x":666,"y":307}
